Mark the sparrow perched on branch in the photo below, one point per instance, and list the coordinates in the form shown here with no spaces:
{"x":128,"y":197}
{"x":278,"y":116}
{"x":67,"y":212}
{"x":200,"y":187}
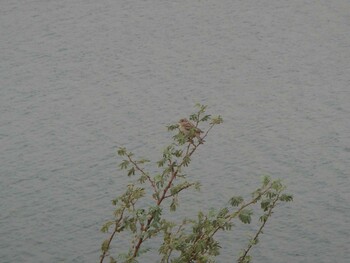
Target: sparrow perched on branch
{"x":185,"y":126}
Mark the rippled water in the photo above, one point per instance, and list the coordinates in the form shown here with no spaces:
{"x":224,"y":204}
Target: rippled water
{"x":79,"y":78}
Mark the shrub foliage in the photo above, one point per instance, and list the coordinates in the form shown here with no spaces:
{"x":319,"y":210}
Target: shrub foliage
{"x":192,"y":240}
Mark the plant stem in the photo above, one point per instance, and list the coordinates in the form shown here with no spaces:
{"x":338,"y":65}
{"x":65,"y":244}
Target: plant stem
{"x":166,"y":189}
{"x":116,"y":229}
{"x":228,"y":218}
{"x":143,"y":172}
{"x":259,"y":231}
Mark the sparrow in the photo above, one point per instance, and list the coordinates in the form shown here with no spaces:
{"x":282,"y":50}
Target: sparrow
{"x":185,"y":126}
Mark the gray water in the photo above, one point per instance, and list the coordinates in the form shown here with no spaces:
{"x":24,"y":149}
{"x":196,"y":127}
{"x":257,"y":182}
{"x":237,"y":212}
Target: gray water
{"x":80,"y":78}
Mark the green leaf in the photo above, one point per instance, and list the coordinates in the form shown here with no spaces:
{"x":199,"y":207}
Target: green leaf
{"x":236,"y":200}
{"x":155,"y":195}
{"x":155,"y":211}
{"x":178,"y":153}
{"x":223,"y":212}
{"x":161,"y":163}
{"x":180,"y":138}
{"x":177,"y":188}
{"x":276,"y":185}
{"x":167,"y":151}
{"x":131,"y":171}
{"x":118,"y":211}
{"x":172,"y":127}
{"x":105,"y":246}
{"x":245,"y":216}
{"x":271,"y":194}
{"x":186,"y":160}
{"x":142,"y":179}
{"x":143,"y":161}
{"x":253,"y":242}
{"x":122,"y":151}
{"x":201,"y":107}
{"x":106,"y":226}
{"x":115,"y":201}
{"x":286,"y":198}
{"x":194,"y":117}
{"x":138,"y":193}
{"x":205,"y":118}
{"x":212,"y":213}
{"x":257,"y":194}
{"x":264,"y":218}
{"x":131,"y":224}
{"x":158,"y":179}
{"x":216,"y":120}
{"x":265,"y":204}
{"x":124,"y":164}
{"x":173,"y":205}
{"x":228,"y":226}
{"x":266,"y":180}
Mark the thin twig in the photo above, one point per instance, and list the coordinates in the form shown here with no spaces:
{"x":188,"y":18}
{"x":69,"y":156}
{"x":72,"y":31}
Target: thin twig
{"x":211,"y":126}
{"x":160,"y":200}
{"x":185,"y":187}
{"x":174,"y":173}
{"x":143,"y":172}
{"x":116,"y":229}
{"x":259,"y":231}
{"x":230,"y":217}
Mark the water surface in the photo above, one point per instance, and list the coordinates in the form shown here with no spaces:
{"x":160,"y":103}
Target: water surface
{"x":78,"y":79}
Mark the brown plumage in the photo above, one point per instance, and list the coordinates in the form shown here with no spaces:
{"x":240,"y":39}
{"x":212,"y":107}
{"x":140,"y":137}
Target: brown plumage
{"x":185,"y":126}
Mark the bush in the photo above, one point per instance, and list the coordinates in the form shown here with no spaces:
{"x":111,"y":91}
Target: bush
{"x":192,"y":240}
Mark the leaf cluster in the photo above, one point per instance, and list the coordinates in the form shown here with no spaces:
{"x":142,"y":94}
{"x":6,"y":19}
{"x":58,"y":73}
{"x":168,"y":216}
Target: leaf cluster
{"x":197,"y":242}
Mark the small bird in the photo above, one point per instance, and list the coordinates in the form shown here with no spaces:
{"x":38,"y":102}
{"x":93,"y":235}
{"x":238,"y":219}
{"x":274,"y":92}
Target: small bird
{"x":185,"y":126}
